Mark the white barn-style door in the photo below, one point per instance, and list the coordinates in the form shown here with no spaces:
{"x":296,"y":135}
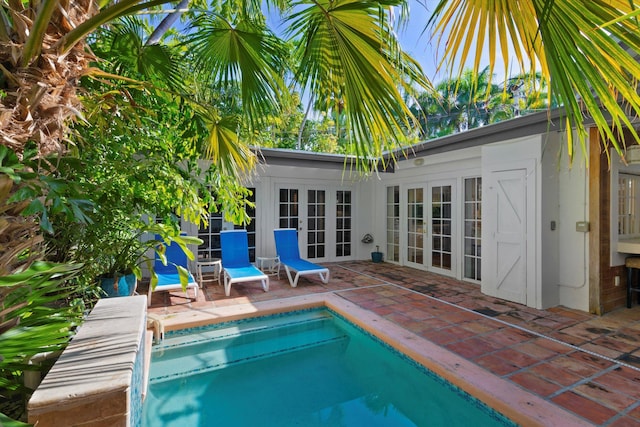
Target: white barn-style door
{"x":505,"y":219}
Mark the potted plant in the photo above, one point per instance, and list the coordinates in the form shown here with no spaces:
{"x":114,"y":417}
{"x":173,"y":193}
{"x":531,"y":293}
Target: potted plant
{"x":125,"y":251}
{"x":377,"y":255}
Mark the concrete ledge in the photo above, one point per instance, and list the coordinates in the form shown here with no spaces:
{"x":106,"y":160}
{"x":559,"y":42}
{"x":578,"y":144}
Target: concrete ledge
{"x":91,"y":383}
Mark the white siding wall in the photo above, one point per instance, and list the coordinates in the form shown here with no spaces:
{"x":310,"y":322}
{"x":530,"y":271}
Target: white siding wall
{"x":573,"y":246}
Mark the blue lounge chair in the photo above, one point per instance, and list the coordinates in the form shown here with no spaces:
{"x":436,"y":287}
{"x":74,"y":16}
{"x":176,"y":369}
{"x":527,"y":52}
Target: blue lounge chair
{"x":235,"y":261}
{"x":289,"y":253}
{"x":168,"y":277}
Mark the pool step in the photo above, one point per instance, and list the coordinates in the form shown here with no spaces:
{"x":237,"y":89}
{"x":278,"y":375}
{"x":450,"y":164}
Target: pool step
{"x":210,"y":349}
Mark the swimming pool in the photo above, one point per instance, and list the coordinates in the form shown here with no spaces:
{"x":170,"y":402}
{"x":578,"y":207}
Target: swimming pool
{"x":307,"y":368}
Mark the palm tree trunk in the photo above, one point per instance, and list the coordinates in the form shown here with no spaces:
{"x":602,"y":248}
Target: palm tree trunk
{"x":304,"y":121}
{"x":167,"y":23}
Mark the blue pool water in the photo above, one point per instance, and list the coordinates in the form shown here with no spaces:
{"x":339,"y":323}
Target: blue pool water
{"x":308,"y":368}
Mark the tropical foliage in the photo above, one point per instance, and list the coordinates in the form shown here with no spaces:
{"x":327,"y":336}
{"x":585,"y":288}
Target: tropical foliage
{"x":37,"y":316}
{"x":471,"y":101}
{"x":586,"y":50}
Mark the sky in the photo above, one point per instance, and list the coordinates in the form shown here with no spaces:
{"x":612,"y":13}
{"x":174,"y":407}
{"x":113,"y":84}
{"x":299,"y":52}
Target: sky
{"x":418,"y":42}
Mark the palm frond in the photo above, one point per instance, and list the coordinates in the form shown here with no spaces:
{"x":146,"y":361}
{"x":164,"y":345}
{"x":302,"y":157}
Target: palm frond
{"x":33,"y":44}
{"x":586,"y":50}
{"x":106,"y":15}
{"x":247,"y":55}
{"x":122,"y":44}
{"x":348,"y":54}
{"x":224,"y":148}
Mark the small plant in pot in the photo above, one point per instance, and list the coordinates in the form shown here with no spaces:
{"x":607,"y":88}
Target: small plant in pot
{"x":377,"y":255}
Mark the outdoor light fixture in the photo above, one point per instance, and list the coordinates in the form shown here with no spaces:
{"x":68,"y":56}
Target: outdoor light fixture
{"x":632,"y":154}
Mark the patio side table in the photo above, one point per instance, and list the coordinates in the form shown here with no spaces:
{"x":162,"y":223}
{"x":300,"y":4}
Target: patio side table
{"x":216,"y":263}
{"x":269,"y":265}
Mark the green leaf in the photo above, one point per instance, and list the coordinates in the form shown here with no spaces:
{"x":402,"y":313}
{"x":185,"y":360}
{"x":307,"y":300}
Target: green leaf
{"x":5,"y":421}
{"x":586,"y":50}
{"x":36,"y":207}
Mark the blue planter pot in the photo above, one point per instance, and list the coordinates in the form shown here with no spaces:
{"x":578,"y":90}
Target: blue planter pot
{"x":125,"y":285}
{"x":376,"y":256}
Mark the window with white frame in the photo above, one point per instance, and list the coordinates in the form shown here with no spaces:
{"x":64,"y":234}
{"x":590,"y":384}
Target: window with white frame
{"x":628,"y":205}
{"x":210,"y":235}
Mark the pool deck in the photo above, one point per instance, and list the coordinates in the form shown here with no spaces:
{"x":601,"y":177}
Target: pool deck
{"x":585,"y":365}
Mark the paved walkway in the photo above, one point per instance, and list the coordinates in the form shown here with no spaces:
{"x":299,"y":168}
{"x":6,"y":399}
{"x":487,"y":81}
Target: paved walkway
{"x":587,"y":364}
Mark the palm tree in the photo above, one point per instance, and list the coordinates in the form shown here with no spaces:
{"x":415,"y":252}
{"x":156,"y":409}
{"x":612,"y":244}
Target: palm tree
{"x":586,"y":50}
{"x":459,"y":104}
{"x":43,"y":57}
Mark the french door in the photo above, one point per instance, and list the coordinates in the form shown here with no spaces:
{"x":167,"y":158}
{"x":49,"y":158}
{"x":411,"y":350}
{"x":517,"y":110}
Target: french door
{"x":322,"y":218}
{"x":430,"y":230}
{"x":441,"y":242}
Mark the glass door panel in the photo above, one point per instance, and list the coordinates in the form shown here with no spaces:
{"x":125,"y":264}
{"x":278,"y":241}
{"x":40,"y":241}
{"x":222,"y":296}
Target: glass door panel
{"x":316,"y":223}
{"x":415,"y":225}
{"x":393,"y":223}
{"x":288,"y":204}
{"x":306,"y":209}
{"x":441,"y":239}
{"x":472,"y":228}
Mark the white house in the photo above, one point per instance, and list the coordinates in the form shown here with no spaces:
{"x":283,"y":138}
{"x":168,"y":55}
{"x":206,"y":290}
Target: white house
{"x":499,"y":206}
